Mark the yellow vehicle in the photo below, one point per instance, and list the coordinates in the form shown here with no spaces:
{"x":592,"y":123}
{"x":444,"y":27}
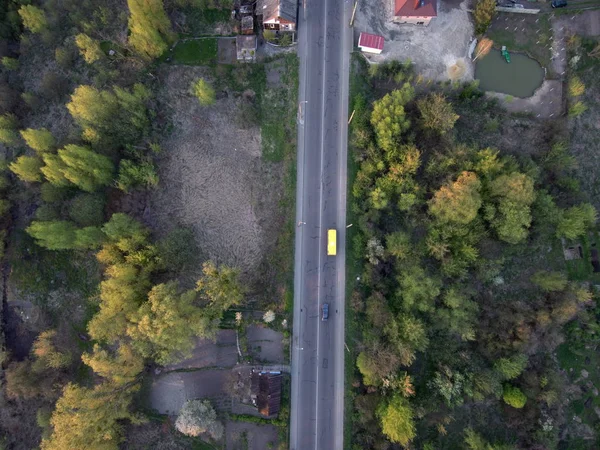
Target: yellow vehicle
{"x":331,"y":242}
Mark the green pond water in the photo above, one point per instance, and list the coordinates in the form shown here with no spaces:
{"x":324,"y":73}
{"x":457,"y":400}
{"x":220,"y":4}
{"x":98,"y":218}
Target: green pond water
{"x":519,"y":78}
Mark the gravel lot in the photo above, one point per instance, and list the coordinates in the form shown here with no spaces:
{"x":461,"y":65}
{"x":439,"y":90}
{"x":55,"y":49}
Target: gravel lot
{"x":433,"y":49}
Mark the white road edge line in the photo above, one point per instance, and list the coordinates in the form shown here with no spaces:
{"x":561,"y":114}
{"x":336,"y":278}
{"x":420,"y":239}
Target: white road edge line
{"x":322,"y":182}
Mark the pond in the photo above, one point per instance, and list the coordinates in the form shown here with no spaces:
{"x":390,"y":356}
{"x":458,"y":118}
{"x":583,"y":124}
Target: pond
{"x":519,"y":78}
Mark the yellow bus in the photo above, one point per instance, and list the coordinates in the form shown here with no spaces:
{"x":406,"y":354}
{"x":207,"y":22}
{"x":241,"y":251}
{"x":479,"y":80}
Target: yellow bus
{"x":331,"y":242}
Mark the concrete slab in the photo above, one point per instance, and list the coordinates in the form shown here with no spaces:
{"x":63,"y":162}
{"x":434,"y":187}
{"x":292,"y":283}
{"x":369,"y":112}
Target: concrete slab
{"x":266,"y":344}
{"x":222,"y":353}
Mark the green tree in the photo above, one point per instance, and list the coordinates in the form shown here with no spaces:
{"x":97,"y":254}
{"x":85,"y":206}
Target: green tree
{"x":398,"y":244}
{"x":34,"y":18}
{"x":397,"y":423}
{"x":132,"y":175}
{"x":484,"y":12}
{"x":86,"y":169}
{"x":165,"y":326}
{"x":46,"y":352}
{"x":27,"y":168}
{"x":149,"y":28}
{"x":89,"y":237}
{"x":510,"y":368}
{"x":511,"y":215}
{"x":89,"y":48}
{"x":389,"y":118}
{"x":53,"y":235}
{"x":8,"y":124}
{"x":10,"y":63}
{"x":90,"y":418}
{"x":122,"y":366}
{"x":39,"y":140}
{"x":576,"y":87}
{"x":549,"y":281}
{"x":197,"y":417}
{"x":436,"y":113}
{"x":92,"y":107}
{"x":514,"y":397}
{"x":575,"y":221}
{"x":577,"y":109}
{"x":204,"y":92}
{"x":458,"y":201}
{"x":221,"y":287}
{"x":54,"y":170}
{"x":417,"y":290}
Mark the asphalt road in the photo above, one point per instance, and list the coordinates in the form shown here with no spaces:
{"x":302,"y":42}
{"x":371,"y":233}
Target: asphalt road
{"x":317,"y":402}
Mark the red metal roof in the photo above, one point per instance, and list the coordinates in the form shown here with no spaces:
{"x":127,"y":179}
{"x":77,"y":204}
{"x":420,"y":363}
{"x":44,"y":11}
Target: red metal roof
{"x":371,"y":41}
{"x":415,"y":8}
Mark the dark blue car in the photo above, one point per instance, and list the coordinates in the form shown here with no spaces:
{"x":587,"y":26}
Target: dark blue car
{"x":559,"y":3}
{"x":325,"y":311}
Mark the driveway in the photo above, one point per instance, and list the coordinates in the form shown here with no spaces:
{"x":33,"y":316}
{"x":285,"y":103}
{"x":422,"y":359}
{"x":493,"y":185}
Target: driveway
{"x":433,"y":49}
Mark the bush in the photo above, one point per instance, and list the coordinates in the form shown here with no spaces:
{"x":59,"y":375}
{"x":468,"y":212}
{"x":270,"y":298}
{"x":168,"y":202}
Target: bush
{"x":53,"y":194}
{"x":10,"y":63}
{"x":87,"y":210}
{"x":47,"y":212}
{"x":197,"y":417}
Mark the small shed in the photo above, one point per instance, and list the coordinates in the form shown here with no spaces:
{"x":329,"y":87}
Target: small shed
{"x":246,"y":48}
{"x":370,"y":43}
{"x":266,"y":389}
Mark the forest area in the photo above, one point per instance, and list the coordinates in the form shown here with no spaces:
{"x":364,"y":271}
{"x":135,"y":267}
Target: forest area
{"x":80,"y":131}
{"x":470,"y":328}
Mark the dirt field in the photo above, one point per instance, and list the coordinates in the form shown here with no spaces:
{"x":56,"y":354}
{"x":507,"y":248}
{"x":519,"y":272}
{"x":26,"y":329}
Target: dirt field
{"x":213,"y":179}
{"x":249,"y":436}
{"x":433,"y":49}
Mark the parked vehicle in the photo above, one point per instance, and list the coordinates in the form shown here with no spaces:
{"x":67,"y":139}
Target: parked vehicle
{"x":518,"y":6}
{"x":559,"y":3}
{"x":325,"y":311}
{"x":331,"y":242}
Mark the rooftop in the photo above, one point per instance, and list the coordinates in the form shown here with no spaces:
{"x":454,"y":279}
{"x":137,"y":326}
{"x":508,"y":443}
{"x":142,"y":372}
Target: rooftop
{"x":415,"y":8}
{"x":371,"y":41}
{"x":271,"y":9}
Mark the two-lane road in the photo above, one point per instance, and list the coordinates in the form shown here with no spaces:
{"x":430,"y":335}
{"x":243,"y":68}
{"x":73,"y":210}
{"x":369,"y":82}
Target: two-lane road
{"x":324,"y":45}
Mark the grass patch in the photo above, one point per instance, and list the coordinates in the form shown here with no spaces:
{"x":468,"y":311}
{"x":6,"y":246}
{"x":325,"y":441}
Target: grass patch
{"x":38,"y":271}
{"x":196,"y":52}
{"x":530,"y":37}
{"x":358,"y":86}
{"x":200,"y":21}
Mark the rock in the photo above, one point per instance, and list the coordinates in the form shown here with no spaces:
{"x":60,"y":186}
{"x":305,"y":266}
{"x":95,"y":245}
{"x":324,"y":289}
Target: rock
{"x":588,"y":402}
{"x":584,"y":373}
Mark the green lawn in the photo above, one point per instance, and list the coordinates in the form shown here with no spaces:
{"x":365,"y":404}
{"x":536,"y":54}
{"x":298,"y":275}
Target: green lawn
{"x":197,"y":52}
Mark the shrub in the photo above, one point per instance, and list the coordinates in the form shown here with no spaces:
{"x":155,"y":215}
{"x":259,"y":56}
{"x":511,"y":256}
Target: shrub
{"x":179,"y":249}
{"x":132,"y":175}
{"x":10,"y":63}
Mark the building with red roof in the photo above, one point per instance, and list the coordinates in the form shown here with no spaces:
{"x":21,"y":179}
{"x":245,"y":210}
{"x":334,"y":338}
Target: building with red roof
{"x":417,"y":12}
{"x":370,"y":43}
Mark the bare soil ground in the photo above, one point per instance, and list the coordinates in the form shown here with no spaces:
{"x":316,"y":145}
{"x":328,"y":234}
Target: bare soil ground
{"x":545,"y":103}
{"x":433,"y":49}
{"x":208,"y":353}
{"x":249,"y":436}
{"x":226,"y":53}
{"x":213,"y":178}
{"x":265,"y":344}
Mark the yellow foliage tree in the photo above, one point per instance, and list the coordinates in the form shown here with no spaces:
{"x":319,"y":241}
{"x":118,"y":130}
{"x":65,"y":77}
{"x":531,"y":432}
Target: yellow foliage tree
{"x":149,"y":28}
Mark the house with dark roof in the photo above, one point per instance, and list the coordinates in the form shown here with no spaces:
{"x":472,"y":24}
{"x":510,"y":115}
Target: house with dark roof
{"x":266,"y":392}
{"x":417,"y":12}
{"x":277,"y":15}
